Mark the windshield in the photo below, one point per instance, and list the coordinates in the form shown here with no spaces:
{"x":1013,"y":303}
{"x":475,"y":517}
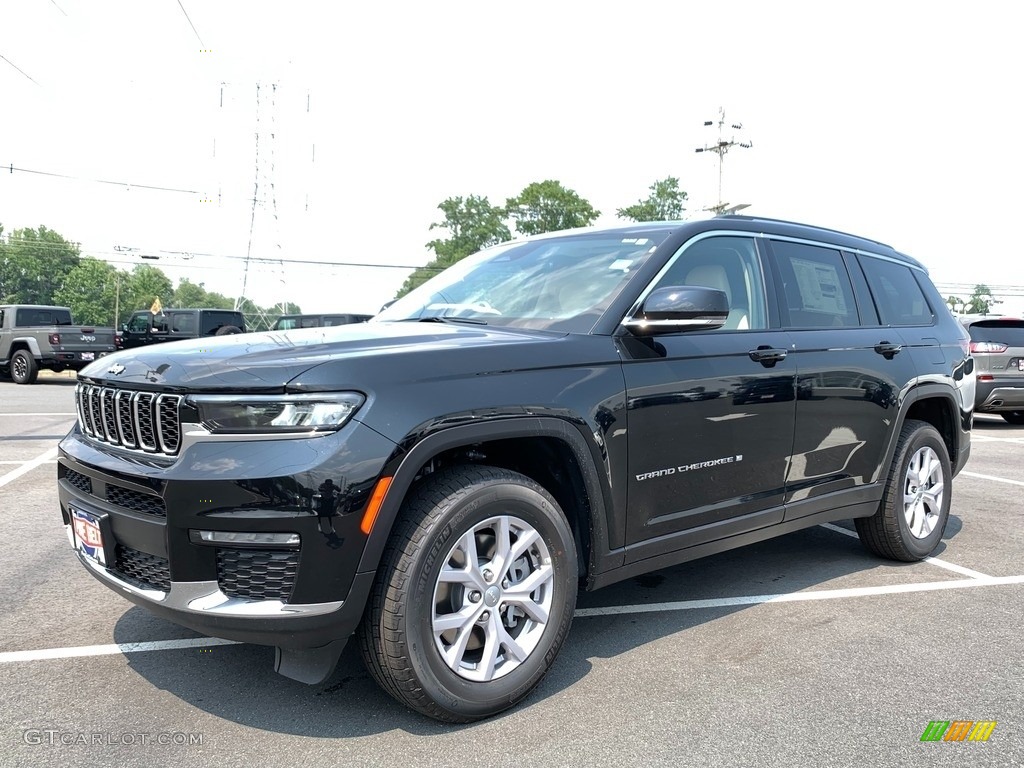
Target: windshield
{"x":559,"y":283}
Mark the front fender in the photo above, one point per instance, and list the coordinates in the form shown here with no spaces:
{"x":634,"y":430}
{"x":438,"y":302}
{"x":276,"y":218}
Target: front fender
{"x":405,"y":465}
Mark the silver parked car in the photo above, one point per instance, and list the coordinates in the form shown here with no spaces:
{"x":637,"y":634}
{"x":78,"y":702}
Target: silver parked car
{"x":997,"y":344}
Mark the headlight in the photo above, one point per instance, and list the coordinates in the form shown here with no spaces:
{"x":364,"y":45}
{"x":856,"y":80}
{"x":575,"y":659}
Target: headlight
{"x":273,"y":414}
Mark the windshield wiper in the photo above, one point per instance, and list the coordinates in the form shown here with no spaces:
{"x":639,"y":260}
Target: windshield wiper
{"x":439,"y":319}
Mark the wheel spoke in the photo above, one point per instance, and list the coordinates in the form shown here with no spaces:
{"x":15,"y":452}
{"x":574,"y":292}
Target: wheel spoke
{"x":469,"y":577}
{"x":510,"y":645}
{"x":466,"y":616}
{"x":454,"y":654}
{"x":529,"y":606}
{"x":933,"y":497}
{"x":522,"y":590}
{"x":491,"y":648}
{"x":914,"y":514}
{"x":523,"y":543}
{"x":502,"y":545}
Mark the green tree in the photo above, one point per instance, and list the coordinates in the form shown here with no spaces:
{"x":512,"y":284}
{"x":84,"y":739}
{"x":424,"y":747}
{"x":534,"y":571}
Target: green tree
{"x":981,"y":301}
{"x":90,"y":289}
{"x":547,"y":206}
{"x":34,"y":264}
{"x":665,"y":203}
{"x":189,"y":294}
{"x":472,"y":223}
{"x":144,"y":285}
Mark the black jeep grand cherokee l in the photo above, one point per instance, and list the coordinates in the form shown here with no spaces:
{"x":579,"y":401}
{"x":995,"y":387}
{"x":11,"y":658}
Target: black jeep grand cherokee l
{"x":567,"y":410}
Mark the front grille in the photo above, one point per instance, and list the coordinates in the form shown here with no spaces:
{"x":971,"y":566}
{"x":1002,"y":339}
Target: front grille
{"x":257,"y":574}
{"x":79,"y":481}
{"x":137,"y":420}
{"x":141,"y":569}
{"x":136,"y":501}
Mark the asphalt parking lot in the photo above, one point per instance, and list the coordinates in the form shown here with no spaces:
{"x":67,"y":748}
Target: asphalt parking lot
{"x":805,"y":650}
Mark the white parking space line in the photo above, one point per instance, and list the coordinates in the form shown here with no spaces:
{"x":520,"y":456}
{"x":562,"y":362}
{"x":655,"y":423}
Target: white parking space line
{"x":51,"y":461}
{"x":111,"y":650}
{"x":795,"y":597}
{"x":993,"y":439}
{"x":28,"y":466}
{"x":930,"y":560}
{"x":38,"y":414}
{"x":581,"y":613}
{"x":992,"y":477}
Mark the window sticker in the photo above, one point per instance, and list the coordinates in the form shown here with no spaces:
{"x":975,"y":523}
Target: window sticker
{"x":819,"y":286}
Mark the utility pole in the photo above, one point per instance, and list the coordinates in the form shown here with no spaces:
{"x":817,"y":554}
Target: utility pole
{"x":720,"y":148}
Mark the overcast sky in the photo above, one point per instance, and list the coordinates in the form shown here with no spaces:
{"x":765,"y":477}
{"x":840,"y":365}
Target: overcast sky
{"x":897,"y":121}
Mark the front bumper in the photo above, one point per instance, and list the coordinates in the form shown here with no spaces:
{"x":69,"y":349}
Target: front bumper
{"x":299,"y":596}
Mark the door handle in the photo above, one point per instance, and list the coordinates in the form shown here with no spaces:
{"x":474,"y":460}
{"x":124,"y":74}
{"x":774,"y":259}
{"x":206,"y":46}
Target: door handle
{"x":888,"y":350}
{"x":767,"y":356}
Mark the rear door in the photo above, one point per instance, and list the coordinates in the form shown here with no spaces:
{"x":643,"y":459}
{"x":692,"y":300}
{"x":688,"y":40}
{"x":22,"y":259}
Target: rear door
{"x":850,"y":371}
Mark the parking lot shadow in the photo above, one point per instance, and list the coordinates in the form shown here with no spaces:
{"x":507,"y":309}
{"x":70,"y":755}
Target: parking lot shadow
{"x":237,"y":682}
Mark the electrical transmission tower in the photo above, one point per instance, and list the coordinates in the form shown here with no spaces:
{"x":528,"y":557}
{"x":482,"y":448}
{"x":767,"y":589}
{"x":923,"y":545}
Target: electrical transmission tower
{"x":264,"y":192}
{"x":720,"y":148}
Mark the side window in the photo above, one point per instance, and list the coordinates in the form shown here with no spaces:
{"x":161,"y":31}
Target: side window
{"x":160,"y":323}
{"x":816,"y":285}
{"x":729,"y":264}
{"x":897,"y":295}
{"x":138,"y":324}
{"x":211,"y":322}
{"x":183,"y":322}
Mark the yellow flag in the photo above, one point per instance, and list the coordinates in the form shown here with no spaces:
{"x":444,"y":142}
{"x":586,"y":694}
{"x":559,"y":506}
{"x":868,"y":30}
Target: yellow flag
{"x":157,"y":306}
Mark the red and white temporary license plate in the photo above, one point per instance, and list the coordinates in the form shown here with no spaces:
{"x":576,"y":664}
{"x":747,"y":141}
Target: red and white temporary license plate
{"x":88,"y":536}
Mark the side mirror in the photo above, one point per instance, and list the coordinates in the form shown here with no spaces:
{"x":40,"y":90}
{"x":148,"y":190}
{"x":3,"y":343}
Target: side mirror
{"x":680,"y":308}
{"x":124,"y":327}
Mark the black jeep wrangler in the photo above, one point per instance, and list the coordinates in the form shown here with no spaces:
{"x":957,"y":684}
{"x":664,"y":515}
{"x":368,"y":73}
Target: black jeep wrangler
{"x":554,"y":413}
{"x":145,"y":327}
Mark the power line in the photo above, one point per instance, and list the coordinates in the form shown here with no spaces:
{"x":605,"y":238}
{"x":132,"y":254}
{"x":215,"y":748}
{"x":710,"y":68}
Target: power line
{"x":12,"y":168}
{"x":58,"y":7}
{"x":201,"y":43}
{"x":19,"y":69}
{"x":238,"y":257}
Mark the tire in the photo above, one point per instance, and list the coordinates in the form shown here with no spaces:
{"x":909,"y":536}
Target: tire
{"x":466,"y":645}
{"x":912,"y":515}
{"x":226,"y":330}
{"x":24,"y":368}
{"x":1013,"y":417}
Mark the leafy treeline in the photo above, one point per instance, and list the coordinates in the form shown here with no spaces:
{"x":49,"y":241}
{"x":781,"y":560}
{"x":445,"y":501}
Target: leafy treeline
{"x":474,"y":223}
{"x":38,"y":266}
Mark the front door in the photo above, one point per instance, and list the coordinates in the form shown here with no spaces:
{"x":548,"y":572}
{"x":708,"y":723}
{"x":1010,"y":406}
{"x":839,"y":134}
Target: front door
{"x":709,"y":413}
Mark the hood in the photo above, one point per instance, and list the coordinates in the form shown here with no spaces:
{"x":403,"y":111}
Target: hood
{"x":267,"y":362}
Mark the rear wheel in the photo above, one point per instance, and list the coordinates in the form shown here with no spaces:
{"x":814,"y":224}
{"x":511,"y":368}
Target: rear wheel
{"x":24,"y":369}
{"x":912,"y":515}
{"x":474,"y":596}
{"x":1013,"y":417}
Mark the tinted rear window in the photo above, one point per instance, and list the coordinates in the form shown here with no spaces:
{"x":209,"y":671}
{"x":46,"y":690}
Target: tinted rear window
{"x":898,"y":297}
{"x":1009,"y":332}
{"x":30,"y":316}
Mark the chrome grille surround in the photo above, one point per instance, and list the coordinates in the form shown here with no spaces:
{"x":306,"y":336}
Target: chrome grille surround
{"x":130,"y":419}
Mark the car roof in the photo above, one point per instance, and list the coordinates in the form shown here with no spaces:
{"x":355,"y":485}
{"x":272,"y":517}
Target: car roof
{"x":753,"y":224}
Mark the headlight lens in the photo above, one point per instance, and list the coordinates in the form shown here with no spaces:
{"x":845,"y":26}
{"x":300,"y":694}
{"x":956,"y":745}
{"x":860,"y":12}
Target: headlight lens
{"x":273,"y":414}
